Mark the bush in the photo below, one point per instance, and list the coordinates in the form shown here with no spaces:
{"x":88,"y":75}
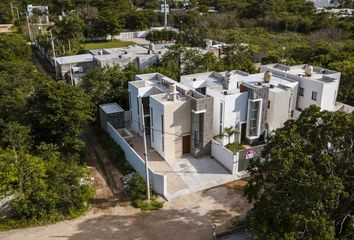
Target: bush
{"x":115,"y":153}
{"x":234,"y":147}
{"x":137,"y":193}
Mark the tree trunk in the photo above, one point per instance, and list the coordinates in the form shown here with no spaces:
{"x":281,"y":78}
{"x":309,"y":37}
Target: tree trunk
{"x":69,"y":46}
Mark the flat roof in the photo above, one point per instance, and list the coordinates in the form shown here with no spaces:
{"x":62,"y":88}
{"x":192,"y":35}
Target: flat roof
{"x":319,"y":74}
{"x":111,"y":108}
{"x":74,"y":59}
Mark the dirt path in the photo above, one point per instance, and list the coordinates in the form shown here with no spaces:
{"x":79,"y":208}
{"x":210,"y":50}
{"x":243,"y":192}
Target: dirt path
{"x":112,"y":217}
{"x":112,"y":188}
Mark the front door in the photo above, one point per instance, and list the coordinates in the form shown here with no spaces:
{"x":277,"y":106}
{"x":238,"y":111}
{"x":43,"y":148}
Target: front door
{"x":186,"y":144}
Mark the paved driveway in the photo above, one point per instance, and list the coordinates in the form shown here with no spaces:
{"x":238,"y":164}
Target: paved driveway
{"x":200,"y":174}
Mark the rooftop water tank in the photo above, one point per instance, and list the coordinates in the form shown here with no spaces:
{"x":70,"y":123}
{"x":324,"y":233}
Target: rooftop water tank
{"x":267,"y":76}
{"x":309,"y":70}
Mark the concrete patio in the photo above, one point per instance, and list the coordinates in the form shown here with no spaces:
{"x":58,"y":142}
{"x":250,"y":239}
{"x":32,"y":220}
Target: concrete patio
{"x":186,"y":174}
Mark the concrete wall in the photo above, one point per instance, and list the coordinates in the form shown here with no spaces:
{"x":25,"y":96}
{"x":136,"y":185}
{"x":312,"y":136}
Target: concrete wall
{"x":224,"y":156}
{"x":329,"y":93}
{"x":177,"y":123}
{"x":278,"y":109}
{"x":158,"y":182}
{"x":305,"y":101}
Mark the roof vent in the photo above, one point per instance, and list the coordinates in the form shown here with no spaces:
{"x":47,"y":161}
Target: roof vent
{"x":309,"y":70}
{"x":194,"y":79}
{"x":267,"y":76}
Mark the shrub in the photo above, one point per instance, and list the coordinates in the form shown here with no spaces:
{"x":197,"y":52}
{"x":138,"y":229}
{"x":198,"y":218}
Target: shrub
{"x":137,"y":193}
{"x":234,"y":147}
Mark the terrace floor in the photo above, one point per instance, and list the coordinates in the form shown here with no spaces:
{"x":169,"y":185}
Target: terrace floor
{"x":186,"y":174}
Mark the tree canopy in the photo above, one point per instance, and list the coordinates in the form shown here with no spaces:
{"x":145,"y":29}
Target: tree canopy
{"x":41,"y":120}
{"x":302,"y":186}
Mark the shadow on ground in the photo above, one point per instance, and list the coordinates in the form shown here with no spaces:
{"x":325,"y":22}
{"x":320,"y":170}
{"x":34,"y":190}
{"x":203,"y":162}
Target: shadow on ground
{"x":163,"y":224}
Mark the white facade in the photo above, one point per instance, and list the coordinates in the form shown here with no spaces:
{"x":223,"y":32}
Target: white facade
{"x":320,"y":88}
{"x":322,"y":3}
{"x":252,"y":104}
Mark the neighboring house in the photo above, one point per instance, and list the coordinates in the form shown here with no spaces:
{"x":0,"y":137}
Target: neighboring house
{"x":242,"y":101}
{"x":42,"y":9}
{"x":142,"y":56}
{"x":317,"y":85}
{"x":72,"y":68}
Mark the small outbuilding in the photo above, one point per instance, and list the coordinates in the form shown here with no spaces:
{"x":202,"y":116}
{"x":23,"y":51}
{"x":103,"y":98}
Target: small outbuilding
{"x":113,"y":114}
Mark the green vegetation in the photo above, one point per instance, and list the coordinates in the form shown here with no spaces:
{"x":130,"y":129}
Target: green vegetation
{"x":106,"y":44}
{"x":41,"y":166}
{"x":302,"y":187}
{"x":115,"y":152}
{"x":235,"y":147}
{"x":137,"y":193}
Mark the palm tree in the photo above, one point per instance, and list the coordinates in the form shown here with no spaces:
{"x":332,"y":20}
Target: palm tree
{"x":229,"y":131}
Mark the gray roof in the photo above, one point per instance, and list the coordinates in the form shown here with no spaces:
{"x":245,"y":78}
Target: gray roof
{"x":74,"y":59}
{"x":111,"y":108}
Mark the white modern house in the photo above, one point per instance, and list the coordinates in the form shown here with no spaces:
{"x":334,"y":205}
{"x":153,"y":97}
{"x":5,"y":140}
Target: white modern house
{"x":317,"y":85}
{"x":177,"y":119}
{"x":252,"y":104}
{"x":181,"y":121}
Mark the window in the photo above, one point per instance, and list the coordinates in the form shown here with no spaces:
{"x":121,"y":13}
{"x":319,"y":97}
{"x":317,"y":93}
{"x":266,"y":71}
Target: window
{"x":221,"y":117}
{"x":130,"y":108}
{"x":162,"y":133}
{"x":301,"y":91}
{"x":314,"y":96}
{"x":138,"y":105}
{"x":152,"y":124}
{"x":162,"y":127}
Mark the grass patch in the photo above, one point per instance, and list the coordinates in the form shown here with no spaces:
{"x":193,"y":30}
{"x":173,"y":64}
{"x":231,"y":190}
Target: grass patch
{"x":235,"y":147}
{"x":106,"y":44}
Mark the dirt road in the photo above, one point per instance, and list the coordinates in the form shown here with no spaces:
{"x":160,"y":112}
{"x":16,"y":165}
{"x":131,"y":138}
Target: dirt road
{"x":112,"y":217}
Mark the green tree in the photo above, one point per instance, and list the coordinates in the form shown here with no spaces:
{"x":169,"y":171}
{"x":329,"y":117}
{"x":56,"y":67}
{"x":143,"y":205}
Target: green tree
{"x":58,"y":113}
{"x":23,"y":176}
{"x":109,"y":23}
{"x":229,"y":131}
{"x":302,"y":186}
{"x":68,"y":31}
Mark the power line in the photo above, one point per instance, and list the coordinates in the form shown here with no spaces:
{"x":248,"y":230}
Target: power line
{"x":158,"y":130}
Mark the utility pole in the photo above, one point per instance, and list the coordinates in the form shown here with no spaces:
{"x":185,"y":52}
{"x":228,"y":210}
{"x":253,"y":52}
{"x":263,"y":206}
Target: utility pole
{"x":165,"y":12}
{"x":145,"y":149}
{"x":29,"y":28}
{"x":53,"y":50}
{"x":12,"y":10}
